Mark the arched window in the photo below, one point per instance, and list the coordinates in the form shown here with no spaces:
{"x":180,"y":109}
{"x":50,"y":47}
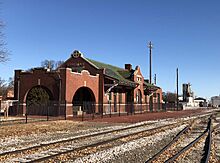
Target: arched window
{"x":139,"y":97}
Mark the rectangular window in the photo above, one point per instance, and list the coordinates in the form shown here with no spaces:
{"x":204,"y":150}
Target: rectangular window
{"x":115,"y":102}
{"x":110,"y":96}
{"x":120,"y":97}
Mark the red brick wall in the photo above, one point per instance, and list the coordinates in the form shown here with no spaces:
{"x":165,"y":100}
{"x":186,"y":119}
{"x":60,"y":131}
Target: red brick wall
{"x":28,"y":80}
{"x":138,"y":75}
{"x":71,"y":81}
{"x":78,"y":80}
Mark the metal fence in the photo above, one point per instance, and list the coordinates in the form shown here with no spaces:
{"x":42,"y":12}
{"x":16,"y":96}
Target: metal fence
{"x":55,"y":110}
{"x":52,"y":110}
{"x":89,"y":110}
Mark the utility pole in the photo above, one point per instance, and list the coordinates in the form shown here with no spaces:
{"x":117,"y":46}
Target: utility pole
{"x":155,"y":79}
{"x":177,"y":93}
{"x":150,"y":46}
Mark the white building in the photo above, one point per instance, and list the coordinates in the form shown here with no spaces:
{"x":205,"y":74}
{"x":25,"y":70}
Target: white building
{"x":188,"y":99}
{"x":200,"y":102}
{"x":215,"y":101}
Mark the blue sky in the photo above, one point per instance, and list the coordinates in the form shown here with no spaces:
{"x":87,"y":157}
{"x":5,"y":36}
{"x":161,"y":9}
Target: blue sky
{"x":185,"y":34}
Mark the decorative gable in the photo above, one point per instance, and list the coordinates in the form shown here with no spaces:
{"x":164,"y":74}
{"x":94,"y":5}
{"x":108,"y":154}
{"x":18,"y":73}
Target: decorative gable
{"x":77,"y":63}
{"x":76,"y":54}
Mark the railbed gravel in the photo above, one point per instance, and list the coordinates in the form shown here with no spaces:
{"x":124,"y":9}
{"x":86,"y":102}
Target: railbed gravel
{"x":24,"y":135}
{"x":15,"y":142}
{"x":195,"y":154}
{"x":87,"y":141}
{"x":216,"y":143}
{"x":22,"y":142}
{"x":138,"y":150}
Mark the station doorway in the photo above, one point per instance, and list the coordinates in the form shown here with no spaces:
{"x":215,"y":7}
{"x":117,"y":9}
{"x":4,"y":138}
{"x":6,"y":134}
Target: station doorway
{"x":84,"y":100}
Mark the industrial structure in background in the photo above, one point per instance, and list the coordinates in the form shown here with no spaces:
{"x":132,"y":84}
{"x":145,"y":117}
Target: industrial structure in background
{"x":215,"y":101}
{"x":188,"y":99}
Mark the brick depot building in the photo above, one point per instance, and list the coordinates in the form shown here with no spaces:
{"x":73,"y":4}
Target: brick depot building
{"x":79,"y":81}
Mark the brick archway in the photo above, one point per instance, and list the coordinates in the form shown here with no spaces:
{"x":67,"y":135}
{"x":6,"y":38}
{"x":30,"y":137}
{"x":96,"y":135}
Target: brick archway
{"x":37,"y":100}
{"x":41,"y":89}
{"x":139,"y":97}
{"x":84,"y":98}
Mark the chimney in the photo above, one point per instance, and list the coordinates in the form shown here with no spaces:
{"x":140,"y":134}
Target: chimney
{"x":128,"y":67}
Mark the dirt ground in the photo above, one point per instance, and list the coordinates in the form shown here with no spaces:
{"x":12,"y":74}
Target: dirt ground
{"x":147,"y":116}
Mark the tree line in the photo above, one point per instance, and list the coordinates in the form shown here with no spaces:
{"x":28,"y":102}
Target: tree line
{"x":5,"y":86}
{"x":169,"y":97}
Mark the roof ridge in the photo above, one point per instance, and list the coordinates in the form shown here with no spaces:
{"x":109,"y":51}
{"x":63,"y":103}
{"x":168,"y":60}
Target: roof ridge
{"x":121,"y":69}
{"x":112,"y":71}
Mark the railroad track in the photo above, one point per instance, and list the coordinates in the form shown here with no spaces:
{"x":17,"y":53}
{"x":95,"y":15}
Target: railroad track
{"x":70,"y":137}
{"x":45,"y":151}
{"x":191,"y":144}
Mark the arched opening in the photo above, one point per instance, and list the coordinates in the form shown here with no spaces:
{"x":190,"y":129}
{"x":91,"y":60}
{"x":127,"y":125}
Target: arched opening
{"x":139,"y":101}
{"x":84,"y":99}
{"x":151,"y":103}
{"x":139,"y":97}
{"x":37,"y":100}
{"x":158,"y":100}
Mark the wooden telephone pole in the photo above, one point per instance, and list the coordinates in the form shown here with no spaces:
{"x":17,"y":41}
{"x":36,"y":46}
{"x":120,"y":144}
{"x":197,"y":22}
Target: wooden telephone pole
{"x":177,"y":93}
{"x":155,"y":79}
{"x":150,"y":46}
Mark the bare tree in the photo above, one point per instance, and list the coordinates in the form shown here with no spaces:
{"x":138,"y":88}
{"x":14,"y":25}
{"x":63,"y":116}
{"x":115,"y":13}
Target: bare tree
{"x":51,"y":64}
{"x":3,"y":88}
{"x":58,"y":64}
{"x":10,"y":83}
{"x":169,"y":97}
{"x":3,"y":51}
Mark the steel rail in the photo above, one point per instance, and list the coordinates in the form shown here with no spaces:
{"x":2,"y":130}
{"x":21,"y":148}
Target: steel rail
{"x":151,"y":132}
{"x":209,"y":137}
{"x":186,"y":148}
{"x":95,"y":134}
{"x":75,"y":138}
{"x":157,"y":155}
{"x":154,"y":130}
{"x":147,"y":131}
{"x":209,"y":143}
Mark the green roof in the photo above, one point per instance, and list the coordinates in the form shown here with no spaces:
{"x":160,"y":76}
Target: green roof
{"x":120,"y":74}
{"x":126,"y":74}
{"x":150,"y":85}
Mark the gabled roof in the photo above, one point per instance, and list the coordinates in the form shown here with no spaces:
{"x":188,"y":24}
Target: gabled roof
{"x":126,"y":74}
{"x":150,"y":88}
{"x":117,"y":73}
{"x":150,"y":85}
{"x":122,"y":76}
